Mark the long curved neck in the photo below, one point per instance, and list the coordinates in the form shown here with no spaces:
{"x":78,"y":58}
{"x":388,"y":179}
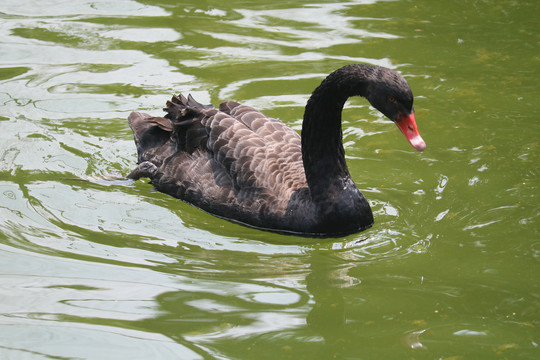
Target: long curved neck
{"x":322,"y":146}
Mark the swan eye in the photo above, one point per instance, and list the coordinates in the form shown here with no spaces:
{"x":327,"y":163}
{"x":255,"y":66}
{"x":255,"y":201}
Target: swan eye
{"x":391,"y":99}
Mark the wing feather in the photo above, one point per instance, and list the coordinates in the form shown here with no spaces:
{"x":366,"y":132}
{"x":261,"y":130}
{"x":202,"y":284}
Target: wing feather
{"x":235,"y":155}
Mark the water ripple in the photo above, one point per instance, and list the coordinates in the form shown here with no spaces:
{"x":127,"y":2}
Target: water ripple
{"x":122,"y":271}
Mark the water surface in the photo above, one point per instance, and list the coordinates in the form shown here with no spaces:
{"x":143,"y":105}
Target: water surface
{"x":108,"y":271}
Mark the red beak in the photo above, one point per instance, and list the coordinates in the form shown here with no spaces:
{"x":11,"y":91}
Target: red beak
{"x":407,"y":125}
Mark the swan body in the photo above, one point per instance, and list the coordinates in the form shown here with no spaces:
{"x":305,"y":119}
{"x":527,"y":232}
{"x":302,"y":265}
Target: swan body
{"x":239,"y":164}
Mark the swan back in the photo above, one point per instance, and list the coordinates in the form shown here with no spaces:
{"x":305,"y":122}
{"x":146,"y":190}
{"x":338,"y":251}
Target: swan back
{"x":234,"y":161}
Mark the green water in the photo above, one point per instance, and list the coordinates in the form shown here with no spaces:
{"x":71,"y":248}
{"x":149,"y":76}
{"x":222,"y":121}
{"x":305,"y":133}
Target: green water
{"x":121,"y":271}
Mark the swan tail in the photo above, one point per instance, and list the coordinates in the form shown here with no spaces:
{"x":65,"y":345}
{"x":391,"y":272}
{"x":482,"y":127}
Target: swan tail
{"x":152,"y":136}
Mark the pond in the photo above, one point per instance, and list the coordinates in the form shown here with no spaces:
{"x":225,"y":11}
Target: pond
{"x":109,"y":270}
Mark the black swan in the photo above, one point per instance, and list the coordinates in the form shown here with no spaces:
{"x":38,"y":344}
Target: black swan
{"x":239,"y":164}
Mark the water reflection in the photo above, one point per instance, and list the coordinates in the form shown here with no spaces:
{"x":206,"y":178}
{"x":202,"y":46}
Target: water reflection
{"x":327,"y":316}
{"x":64,"y":307}
{"x":123,"y":271}
{"x":314,"y":27}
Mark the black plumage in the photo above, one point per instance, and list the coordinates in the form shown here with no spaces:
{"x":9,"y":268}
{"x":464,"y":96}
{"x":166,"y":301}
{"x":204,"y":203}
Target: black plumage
{"x":240,"y":164}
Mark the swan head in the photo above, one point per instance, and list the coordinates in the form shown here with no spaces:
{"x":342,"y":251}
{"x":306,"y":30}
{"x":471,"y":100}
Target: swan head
{"x":390,"y":93}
